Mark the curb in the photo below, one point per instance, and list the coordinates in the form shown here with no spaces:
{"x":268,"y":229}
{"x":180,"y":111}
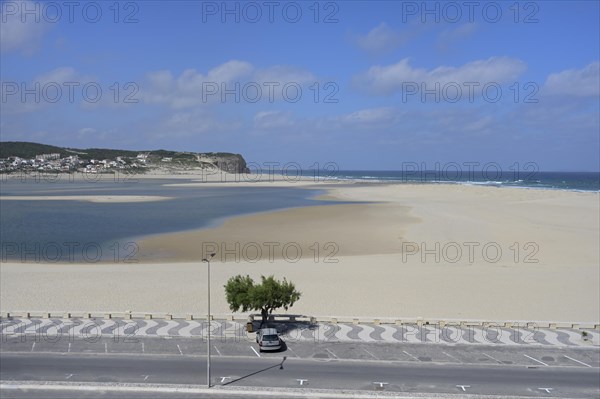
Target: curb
{"x":233,"y":391}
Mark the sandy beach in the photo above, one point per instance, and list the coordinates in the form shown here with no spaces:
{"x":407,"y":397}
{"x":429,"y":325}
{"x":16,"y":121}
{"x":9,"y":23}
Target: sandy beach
{"x":432,"y":251}
{"x":89,"y":198}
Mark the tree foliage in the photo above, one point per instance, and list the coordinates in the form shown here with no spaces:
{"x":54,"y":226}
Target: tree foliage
{"x":238,"y":290}
{"x":244,"y":294}
{"x":25,"y":149}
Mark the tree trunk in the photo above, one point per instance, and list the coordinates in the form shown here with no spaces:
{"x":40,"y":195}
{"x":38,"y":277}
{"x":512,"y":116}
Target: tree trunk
{"x":264,"y":314}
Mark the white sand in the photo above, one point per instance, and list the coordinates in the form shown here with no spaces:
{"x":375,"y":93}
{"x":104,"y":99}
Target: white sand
{"x":88,"y":198}
{"x":553,"y":276}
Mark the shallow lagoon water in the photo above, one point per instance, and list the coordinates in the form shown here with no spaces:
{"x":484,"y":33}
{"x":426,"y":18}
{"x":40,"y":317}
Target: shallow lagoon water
{"x":72,"y":231}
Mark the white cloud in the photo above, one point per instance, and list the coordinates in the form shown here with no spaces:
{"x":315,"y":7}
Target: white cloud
{"x":381,"y":39}
{"x":584,"y":82}
{"x":284,"y":74}
{"x":449,"y":37}
{"x":480,"y":125}
{"x":391,"y":78}
{"x":230,"y":71}
{"x":189,"y":88}
{"x":48,"y":89}
{"x":59,"y":75}
{"x":369,"y":117}
{"x":86,"y":130}
{"x":19,"y":32}
{"x":269,"y":120}
{"x":293,"y":128}
{"x":366,"y":119}
{"x":191,"y":123}
{"x":221,"y":84}
{"x":160,"y":80}
{"x":438,"y":124}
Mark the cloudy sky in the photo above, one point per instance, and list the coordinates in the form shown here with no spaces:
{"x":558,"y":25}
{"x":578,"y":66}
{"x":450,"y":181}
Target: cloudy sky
{"x":364,"y":84}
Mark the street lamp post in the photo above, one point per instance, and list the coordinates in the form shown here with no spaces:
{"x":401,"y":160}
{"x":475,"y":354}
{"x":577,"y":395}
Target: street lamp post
{"x":207,"y":260}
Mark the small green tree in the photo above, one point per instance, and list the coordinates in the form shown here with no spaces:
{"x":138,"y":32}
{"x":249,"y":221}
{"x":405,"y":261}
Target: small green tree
{"x":242,"y":293}
{"x":238,"y":291}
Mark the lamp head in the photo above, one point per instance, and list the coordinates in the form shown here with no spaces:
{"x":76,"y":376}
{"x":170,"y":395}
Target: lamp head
{"x":209,"y":257}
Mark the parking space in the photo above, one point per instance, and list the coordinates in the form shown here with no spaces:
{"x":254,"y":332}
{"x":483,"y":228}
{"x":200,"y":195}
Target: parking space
{"x":563,"y":357}
{"x":307,"y":350}
{"x":587,"y":356}
{"x":508,"y":355}
{"x":233,"y":348}
{"x":428,"y":353}
{"x":490,"y":355}
{"x":386,"y":352}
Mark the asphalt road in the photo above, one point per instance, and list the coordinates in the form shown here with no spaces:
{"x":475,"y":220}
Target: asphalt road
{"x":515,"y":355}
{"x":327,"y":374}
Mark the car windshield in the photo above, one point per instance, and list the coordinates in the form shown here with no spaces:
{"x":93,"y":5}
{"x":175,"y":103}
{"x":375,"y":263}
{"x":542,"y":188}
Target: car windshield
{"x":270,"y":338}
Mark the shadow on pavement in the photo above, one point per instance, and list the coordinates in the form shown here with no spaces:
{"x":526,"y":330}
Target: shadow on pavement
{"x":280,"y":365}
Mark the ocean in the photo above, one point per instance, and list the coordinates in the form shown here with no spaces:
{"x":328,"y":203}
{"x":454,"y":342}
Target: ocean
{"x":572,"y":181}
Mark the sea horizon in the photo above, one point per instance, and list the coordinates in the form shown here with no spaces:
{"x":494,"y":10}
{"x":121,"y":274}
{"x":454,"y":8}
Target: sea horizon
{"x":549,"y":180}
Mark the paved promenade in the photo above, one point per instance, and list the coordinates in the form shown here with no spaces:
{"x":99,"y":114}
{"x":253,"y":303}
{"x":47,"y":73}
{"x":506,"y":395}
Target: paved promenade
{"x":95,"y":328}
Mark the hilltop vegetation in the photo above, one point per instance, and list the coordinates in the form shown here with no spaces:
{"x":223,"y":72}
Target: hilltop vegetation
{"x":230,"y":162}
{"x":24,"y":149}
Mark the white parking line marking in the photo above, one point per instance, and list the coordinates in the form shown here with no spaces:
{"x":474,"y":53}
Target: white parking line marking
{"x":414,"y":357}
{"x":452,"y":357}
{"x":575,"y":360}
{"x":69,"y":376}
{"x":69,"y":349}
{"x":224,"y":378}
{"x":217,"y":349}
{"x":143,"y":349}
{"x":105,"y":347}
{"x":492,"y":357}
{"x":254,"y":350}
{"x":146,"y":377}
{"x":535,"y":360}
{"x":301,"y":381}
{"x":375,"y":357}
{"x":463,"y":387}
{"x":381,"y":384}
{"x":180,"y":351}
{"x":545,"y":389}
{"x":332,"y":354}
{"x":32,"y":347}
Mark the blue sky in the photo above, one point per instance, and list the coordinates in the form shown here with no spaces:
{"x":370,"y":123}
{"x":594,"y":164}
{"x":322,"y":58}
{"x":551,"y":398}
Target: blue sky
{"x":368,"y":85}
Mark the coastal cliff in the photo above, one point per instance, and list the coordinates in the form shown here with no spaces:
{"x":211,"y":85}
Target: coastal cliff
{"x":16,"y":155}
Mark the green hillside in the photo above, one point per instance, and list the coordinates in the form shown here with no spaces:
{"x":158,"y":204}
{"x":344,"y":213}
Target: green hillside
{"x":25,"y":149}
